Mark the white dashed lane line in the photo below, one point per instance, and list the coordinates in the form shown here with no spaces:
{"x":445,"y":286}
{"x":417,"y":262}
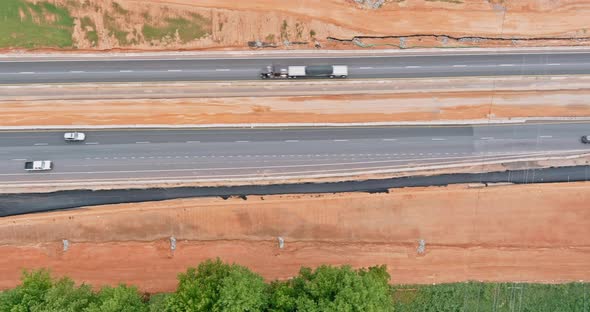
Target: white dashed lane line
{"x":40,"y":144}
{"x":145,"y":142}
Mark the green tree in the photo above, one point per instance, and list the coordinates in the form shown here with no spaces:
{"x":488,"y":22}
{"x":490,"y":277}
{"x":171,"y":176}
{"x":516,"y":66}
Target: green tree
{"x":215,"y":286}
{"x":29,"y":295}
{"x":64,"y":296}
{"x":334,"y":289}
{"x":39,"y":292}
{"x":118,"y":299}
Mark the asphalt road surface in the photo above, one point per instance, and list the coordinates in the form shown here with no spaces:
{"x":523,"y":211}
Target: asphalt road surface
{"x":225,"y":154}
{"x":218,"y":69}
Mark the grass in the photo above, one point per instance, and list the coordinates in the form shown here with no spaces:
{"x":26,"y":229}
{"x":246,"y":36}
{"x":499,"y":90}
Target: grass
{"x":92,"y":36}
{"x":188,"y":29}
{"x":42,"y":25}
{"x":285,"y":30}
{"x":496,"y":297}
{"x":114,"y":30}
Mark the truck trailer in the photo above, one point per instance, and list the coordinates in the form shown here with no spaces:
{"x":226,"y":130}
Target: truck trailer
{"x":314,"y":71}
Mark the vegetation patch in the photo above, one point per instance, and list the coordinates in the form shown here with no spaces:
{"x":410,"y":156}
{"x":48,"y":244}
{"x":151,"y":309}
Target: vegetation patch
{"x":29,"y":25}
{"x":498,"y":297}
{"x":113,"y":28}
{"x":217,"y":286}
{"x":188,"y":29}
{"x":89,"y":27}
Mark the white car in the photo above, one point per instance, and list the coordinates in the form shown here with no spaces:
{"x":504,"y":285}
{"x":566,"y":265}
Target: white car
{"x":74,"y":136}
{"x":38,"y":165}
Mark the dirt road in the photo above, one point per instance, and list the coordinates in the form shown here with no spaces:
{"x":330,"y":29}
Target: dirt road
{"x":493,"y":234}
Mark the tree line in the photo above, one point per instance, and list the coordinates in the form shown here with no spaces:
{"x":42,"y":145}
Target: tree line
{"x":213,"y":286}
{"x":216,"y":286}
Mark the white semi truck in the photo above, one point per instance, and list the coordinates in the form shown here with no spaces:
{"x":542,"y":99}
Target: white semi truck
{"x":38,"y":165}
{"x":313,"y":71}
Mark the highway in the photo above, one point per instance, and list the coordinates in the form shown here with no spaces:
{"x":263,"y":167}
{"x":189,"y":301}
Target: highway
{"x":248,"y":68}
{"x":230,"y":154}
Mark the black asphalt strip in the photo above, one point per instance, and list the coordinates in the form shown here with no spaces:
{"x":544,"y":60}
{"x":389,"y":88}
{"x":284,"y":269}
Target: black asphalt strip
{"x":15,"y":204}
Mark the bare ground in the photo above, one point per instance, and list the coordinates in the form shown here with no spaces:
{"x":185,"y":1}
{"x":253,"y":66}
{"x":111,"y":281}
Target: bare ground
{"x":435,"y":106}
{"x":492,"y":234}
{"x":228,"y":24}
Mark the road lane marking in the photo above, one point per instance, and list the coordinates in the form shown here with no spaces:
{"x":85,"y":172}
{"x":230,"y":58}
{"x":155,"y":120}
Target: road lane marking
{"x":125,"y":71}
{"x":223,"y":69}
{"x":438,"y":139}
{"x":340,"y":140}
{"x":144,"y":142}
{"x":291,"y":141}
{"x":365,"y":67}
{"x":40,"y":144}
{"x":175,"y":70}
{"x":545,"y":136}
{"x":553,"y":64}
{"x":389,"y":140}
{"x":506,"y":65}
{"x":413,"y":66}
{"x":459,"y":65}
{"x":19,"y":159}
{"x":26,"y":72}
{"x":76,"y":71}
{"x":242,"y":141}
{"x":91,"y":143}
{"x":487,"y":138}
{"x":193,"y":141}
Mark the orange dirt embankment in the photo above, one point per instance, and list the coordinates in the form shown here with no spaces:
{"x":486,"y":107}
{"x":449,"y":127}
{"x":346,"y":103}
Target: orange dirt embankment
{"x":300,"y":109}
{"x":535,"y":233}
{"x":230,"y":24}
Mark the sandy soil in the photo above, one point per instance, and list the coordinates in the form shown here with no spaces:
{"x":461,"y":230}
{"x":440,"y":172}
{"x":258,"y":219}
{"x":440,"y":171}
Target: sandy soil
{"x":308,"y":109}
{"x":232,"y":24}
{"x":488,"y":233}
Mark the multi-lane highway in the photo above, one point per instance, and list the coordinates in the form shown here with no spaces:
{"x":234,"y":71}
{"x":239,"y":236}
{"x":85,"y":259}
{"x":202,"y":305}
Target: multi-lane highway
{"x":207,"y":69}
{"x":226,"y":154}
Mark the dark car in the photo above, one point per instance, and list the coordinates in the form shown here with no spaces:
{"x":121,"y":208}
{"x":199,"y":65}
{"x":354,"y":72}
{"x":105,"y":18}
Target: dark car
{"x":586,"y":139}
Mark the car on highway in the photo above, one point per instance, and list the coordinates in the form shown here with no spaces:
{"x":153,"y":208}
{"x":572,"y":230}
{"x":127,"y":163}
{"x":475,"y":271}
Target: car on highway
{"x":74,"y":136}
{"x":586,"y":139}
{"x":38,"y":165}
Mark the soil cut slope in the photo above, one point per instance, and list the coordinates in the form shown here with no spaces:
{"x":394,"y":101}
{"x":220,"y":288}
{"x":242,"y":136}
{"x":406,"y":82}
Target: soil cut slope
{"x":535,"y":233}
{"x":293,"y":24}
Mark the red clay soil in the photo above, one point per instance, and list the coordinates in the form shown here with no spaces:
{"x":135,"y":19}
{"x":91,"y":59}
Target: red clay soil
{"x":298,"y":109}
{"x":537,"y":233}
{"x":230,"y":24}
